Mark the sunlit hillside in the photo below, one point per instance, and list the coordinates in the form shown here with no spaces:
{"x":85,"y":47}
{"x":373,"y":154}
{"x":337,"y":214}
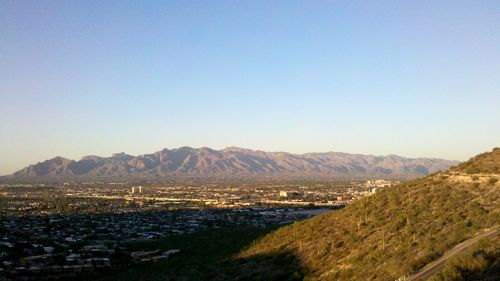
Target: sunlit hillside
{"x":395,"y":231}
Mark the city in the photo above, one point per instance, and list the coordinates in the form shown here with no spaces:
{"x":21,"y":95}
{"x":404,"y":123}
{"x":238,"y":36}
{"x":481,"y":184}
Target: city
{"x":63,"y":230}
{"x":249,"y":140}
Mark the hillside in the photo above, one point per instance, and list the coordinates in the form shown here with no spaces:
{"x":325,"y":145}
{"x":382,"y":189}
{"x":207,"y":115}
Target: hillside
{"x":232,"y":162}
{"x":393,"y":232}
{"x":486,"y":163}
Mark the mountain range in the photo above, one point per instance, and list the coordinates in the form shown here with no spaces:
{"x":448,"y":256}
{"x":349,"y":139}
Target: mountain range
{"x":228,"y":163}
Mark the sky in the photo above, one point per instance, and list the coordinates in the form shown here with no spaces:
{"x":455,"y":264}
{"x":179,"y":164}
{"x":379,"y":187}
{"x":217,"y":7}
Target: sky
{"x":413,"y":78}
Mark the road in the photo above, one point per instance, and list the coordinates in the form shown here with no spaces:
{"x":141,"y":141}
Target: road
{"x":435,"y":266}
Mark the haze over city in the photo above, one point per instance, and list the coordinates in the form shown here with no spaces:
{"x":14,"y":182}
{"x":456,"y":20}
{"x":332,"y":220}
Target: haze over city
{"x":95,"y":78}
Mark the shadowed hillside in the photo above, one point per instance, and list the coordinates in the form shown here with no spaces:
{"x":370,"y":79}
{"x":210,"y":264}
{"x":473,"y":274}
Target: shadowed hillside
{"x":395,"y":231}
{"x":210,"y":255}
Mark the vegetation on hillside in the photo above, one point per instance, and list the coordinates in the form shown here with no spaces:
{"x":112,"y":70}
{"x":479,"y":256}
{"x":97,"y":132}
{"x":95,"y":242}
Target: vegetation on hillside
{"x":209,"y":255}
{"x":394,"y":232}
{"x":487,"y":162}
{"x":481,"y":262}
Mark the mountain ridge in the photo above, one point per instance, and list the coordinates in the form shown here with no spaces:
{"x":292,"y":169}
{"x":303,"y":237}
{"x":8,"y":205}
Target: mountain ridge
{"x":230,"y":162}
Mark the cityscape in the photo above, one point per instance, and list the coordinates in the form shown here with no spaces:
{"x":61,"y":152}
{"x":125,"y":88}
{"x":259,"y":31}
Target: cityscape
{"x":249,"y":140}
{"x":51,"y":231}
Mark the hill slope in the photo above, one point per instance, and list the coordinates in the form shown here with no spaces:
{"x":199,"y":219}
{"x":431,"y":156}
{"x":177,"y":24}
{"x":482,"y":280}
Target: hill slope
{"x":393,"y":232}
{"x":233,"y":162}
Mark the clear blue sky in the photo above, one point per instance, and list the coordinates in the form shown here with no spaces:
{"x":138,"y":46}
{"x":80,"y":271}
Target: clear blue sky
{"x":414,"y":78}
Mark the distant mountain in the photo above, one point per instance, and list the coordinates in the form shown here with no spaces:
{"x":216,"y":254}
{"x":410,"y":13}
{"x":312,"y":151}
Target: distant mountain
{"x":228,"y":163}
{"x":393,"y":232}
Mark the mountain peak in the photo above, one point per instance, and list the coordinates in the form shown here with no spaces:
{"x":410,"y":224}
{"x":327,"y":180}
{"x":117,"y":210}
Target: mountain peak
{"x":230,"y":162}
{"x":236,"y":148}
